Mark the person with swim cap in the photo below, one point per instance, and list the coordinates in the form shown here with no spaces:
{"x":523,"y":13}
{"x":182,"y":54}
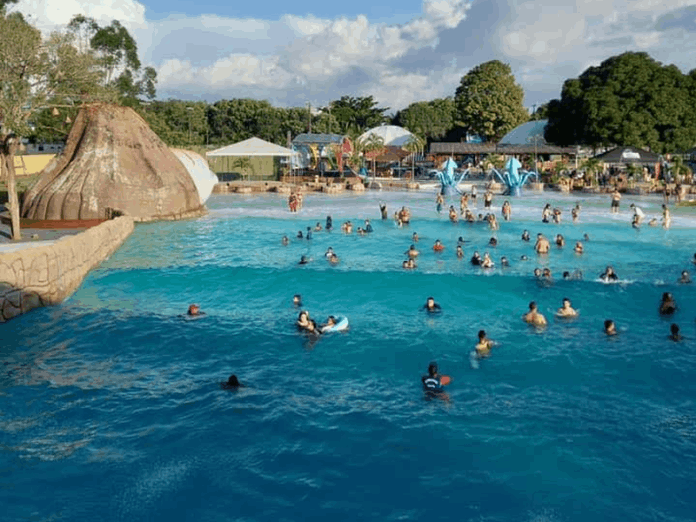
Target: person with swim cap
{"x":434,"y":382}
{"x":297,"y":300}
{"x":674,"y":334}
{"x":438,"y":246}
{"x":566,"y":310}
{"x":329,"y":223}
{"x":668,"y":305}
{"x":533,"y":316}
{"x":609,"y":276}
{"x":685,"y":278}
{"x":610,"y":327}
{"x":431,"y":306}
{"x":484,"y":345}
{"x":194,"y":310}
{"x":525,"y":235}
{"x":232,"y":383}
{"x":285,"y":241}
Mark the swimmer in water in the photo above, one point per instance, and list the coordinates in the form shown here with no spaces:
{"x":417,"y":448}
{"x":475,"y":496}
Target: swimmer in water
{"x":383,"y":210}
{"x":546,"y":274}
{"x":308,"y":235}
{"x":537,"y":273}
{"x":484,"y":345}
{"x":285,"y":241}
{"x":460,"y":240}
{"x":610,"y":327}
{"x":303,"y":260}
{"x":694,"y":259}
{"x":609,"y":275}
{"x":560,"y":240}
{"x":487,"y":262}
{"x":297,"y":300}
{"x":668,"y":305}
{"x":412,"y":264}
{"x":566,"y":276}
{"x":368,"y":226}
{"x":469,"y":216}
{"x":546,"y":213}
{"x":329,"y":252}
{"x":414,"y":237}
{"x":638,"y":214}
{"x":524,"y":258}
{"x":566,"y":310}
{"x":330,"y":323}
{"x":557,"y":216}
{"x":578,"y":248}
{"x":299,"y":234}
{"x":412,"y":252}
{"x":194,"y":310}
{"x":329,"y":223}
{"x":542,"y":245}
{"x":476,"y":259}
{"x":305,"y":324}
{"x":504,"y":262}
{"x":674,"y":334}
{"x":525,"y":235}
{"x":493,"y":222}
{"x":533,"y":316}
{"x":685,"y":278}
{"x":232,"y":383}
{"x":438,"y":246}
{"x":334,"y":260}
{"x":460,"y":252}
{"x":439,"y":201}
{"x":585,"y":237}
{"x":431,"y":306}
{"x":317,"y":227}
{"x":666,"y":217}
{"x":506,"y":210}
{"x":404,"y":264}
{"x":453,"y":215}
{"x":635,"y":223}
{"x":652,"y":222}
{"x":575,"y":213}
{"x":493,"y":242}
{"x":615,"y":198}
{"x":434,"y":383}
{"x":361,"y":231}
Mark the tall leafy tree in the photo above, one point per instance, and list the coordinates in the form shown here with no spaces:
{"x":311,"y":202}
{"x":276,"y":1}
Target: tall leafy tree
{"x":35,"y":72}
{"x":431,"y":119}
{"x":629,"y":99}
{"x":489,"y":101}
{"x":357,"y":114}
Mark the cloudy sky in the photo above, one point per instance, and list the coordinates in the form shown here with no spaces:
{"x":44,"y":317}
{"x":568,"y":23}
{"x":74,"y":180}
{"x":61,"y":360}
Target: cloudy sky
{"x":291,"y":53}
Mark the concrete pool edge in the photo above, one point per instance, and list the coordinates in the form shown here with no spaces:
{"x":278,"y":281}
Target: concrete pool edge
{"x":46,"y":274}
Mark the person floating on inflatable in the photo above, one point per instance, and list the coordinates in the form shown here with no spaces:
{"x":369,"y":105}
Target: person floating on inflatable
{"x":434,"y":383}
{"x":438,"y":246}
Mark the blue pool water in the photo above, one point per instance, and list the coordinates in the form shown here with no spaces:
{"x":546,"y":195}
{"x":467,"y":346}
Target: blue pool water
{"x":111,"y":409}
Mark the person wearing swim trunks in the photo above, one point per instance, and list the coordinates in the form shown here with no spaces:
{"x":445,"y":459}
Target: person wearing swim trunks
{"x":434,"y":382}
{"x":484,"y":345}
{"x":615,"y":198}
{"x":431,"y":306}
{"x":533,"y":316}
{"x":566,"y":310}
{"x":610,"y":327}
{"x":487,"y":199}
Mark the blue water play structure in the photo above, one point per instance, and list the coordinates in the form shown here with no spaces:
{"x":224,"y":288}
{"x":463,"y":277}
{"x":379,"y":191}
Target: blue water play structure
{"x":512,"y":177}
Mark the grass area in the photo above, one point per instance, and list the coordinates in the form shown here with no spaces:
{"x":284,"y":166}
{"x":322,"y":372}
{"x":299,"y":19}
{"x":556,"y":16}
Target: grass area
{"x":23,"y":183}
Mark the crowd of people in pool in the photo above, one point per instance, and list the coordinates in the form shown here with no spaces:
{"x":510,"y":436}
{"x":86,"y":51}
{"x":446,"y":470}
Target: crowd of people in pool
{"x":434,"y":381}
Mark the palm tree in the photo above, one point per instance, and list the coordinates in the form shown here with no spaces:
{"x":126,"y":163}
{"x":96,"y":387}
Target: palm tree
{"x":592,"y":166}
{"x":680,"y":170}
{"x":373,"y":143}
{"x":414,"y":145}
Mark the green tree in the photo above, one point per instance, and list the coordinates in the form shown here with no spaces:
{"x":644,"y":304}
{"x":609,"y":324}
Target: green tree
{"x":357,"y":113}
{"x":35,"y":72}
{"x":432,"y":119}
{"x":414,"y":145}
{"x":489,"y":101}
{"x":540,"y":113}
{"x":629,"y":99}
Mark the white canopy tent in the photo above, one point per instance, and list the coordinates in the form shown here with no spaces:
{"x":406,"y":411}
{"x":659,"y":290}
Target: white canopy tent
{"x":251,"y":148}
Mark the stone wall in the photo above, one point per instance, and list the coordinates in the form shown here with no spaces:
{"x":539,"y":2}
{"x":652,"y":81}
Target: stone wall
{"x":43,"y":275}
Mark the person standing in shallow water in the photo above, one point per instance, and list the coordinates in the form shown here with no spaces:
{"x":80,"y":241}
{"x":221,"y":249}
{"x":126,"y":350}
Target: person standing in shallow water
{"x":615,"y":199}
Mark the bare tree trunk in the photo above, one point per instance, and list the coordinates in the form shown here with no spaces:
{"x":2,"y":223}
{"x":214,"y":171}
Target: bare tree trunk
{"x":8,"y":154}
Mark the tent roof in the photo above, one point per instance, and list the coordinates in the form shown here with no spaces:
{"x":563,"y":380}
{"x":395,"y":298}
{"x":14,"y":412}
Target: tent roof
{"x":317,"y":139}
{"x":252,"y":147}
{"x":628,"y":155}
